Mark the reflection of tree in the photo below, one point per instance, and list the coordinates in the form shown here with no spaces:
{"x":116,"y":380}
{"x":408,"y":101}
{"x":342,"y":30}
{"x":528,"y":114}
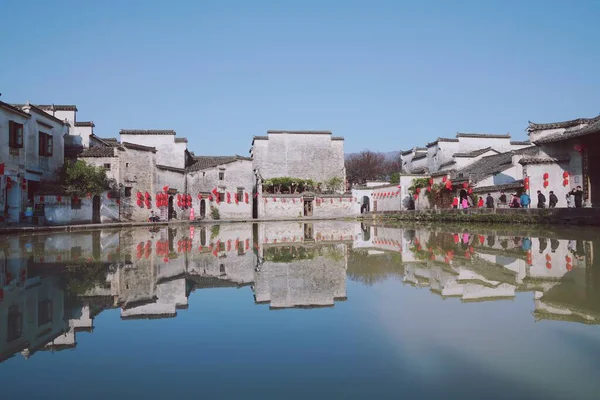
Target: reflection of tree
{"x":370,"y":269}
{"x":286,"y":254}
{"x":81,"y":278}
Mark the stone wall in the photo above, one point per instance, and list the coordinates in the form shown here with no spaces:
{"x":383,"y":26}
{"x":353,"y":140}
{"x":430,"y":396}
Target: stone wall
{"x":292,"y":206}
{"x":137,"y":172}
{"x":306,"y":156}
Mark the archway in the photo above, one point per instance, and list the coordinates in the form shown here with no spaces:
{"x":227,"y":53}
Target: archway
{"x":170,"y":213}
{"x":96,"y":210}
{"x":203,"y":208}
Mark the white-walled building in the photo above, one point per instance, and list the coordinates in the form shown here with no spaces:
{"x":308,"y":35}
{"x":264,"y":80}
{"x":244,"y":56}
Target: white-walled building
{"x":31,"y":152}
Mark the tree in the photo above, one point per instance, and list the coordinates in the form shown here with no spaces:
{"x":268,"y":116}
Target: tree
{"x":364,"y":166}
{"x":395,"y":177}
{"x":79,"y":179}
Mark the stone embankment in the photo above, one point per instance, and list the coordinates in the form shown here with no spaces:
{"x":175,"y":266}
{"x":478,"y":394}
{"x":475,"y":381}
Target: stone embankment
{"x":575,"y":216}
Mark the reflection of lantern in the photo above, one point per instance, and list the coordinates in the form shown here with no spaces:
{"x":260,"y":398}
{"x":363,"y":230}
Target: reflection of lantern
{"x":148,"y":203}
{"x":210,"y":198}
{"x":139,"y":195}
{"x":416,"y":196}
{"x":59,"y":199}
{"x":228,"y":197}
{"x":548,"y":265}
{"x":147,"y":195}
{"x":578,"y":148}
{"x":199,"y":196}
{"x":139,"y":202}
{"x":108,"y":195}
{"x":42,"y":199}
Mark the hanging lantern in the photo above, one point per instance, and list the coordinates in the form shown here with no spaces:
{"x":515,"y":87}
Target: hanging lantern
{"x":418,"y":190}
{"x":545,"y":184}
{"x":546,"y":176}
{"x":139,"y":195}
{"x":118,"y":201}
{"x":565,"y":174}
{"x":41,"y":199}
{"x":139,"y":202}
{"x":148,"y":203}
{"x":178,"y":197}
{"x":470,"y":191}
{"x":430,"y":181}
{"x":549,"y":265}
{"x":147,"y":195}
{"x":444,"y":179}
{"x":465,"y":185}
{"x":199,"y":196}
{"x":566,"y":182}
{"x":428,"y":189}
{"x":246,"y":197}
{"x":89,"y":195}
{"x":210,"y":198}
{"x":416,"y":196}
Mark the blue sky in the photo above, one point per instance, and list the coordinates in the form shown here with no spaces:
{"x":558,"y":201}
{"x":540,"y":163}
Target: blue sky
{"x":386,"y":75}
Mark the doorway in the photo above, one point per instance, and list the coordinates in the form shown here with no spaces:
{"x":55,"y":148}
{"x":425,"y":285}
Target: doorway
{"x":96,"y":210}
{"x":366,"y":205}
{"x":170,"y":212}
{"x":203,"y":208}
{"x":308,"y":208}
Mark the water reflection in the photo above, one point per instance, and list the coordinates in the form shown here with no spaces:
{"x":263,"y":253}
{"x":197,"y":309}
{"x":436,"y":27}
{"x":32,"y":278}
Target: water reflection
{"x":53,"y":286}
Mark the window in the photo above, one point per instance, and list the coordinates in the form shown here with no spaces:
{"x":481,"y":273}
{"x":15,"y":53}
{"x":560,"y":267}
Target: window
{"x":127,"y":191}
{"x":222,"y":269}
{"x":221,"y":246}
{"x":221,"y":175}
{"x":221,"y":195}
{"x":45,"y":145}
{"x":126,"y":165}
{"x":44,"y":312}
{"x":15,"y":131}
{"x":107,"y":167}
{"x":240,"y":194}
{"x":240,"y":248}
{"x":15,"y":324}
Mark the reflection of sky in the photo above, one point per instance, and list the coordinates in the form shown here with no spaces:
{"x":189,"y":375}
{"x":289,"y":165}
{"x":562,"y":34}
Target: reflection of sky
{"x":437,"y":336}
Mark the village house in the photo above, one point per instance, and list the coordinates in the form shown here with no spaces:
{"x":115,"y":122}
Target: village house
{"x":313,"y":161}
{"x":223,"y":184}
{"x":31,"y":153}
{"x":568,"y":154}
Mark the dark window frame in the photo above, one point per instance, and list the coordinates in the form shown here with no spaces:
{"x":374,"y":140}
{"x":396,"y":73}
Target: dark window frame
{"x":46,"y":144}
{"x":128,"y":191}
{"x":15,"y":135}
{"x":107,"y":166}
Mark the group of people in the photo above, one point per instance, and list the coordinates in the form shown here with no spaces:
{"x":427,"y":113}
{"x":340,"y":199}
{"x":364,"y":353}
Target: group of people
{"x":574,"y":198}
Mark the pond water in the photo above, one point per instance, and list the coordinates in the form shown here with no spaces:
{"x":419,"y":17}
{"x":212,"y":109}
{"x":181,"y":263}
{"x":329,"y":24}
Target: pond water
{"x":326,"y":309}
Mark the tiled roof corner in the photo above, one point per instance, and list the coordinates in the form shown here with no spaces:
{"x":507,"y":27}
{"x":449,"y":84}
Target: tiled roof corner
{"x":134,"y":146}
{"x":564,"y":124}
{"x":205,"y":162}
{"x":85,"y":123}
{"x":181,"y":140}
{"x":98,"y":151}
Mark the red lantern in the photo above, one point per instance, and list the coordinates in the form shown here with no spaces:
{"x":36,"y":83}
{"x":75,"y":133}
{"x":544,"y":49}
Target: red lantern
{"x":147,"y":195}
{"x":139,"y":202}
{"x":465,"y":185}
{"x":416,"y":196}
{"x":178,"y":197}
{"x":470,"y":191}
{"x":430,"y":181}
{"x":199,"y":196}
{"x":565,"y":174}
{"x":545,"y":184}
{"x":89,"y":195}
{"x":578,"y":148}
{"x":108,"y":195}
{"x":418,"y":190}
{"x":549,"y":265}
{"x":246,"y":197}
{"x":210,"y":198}
{"x":59,"y":199}
{"x":444,"y":179}
{"x":148,"y":203}
{"x":546,"y":176}
{"x":118,"y":201}
{"x":566,"y":182}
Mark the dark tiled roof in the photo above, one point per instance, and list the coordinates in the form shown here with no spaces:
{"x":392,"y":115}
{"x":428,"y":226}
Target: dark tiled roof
{"x":181,"y":140}
{"x":543,"y":160}
{"x":496,"y":188}
{"x":565,"y":124}
{"x":110,"y":142}
{"x":447,"y":164}
{"x":419,"y":171}
{"x":41,"y":112}
{"x":483,"y":135}
{"x":441,"y":140}
{"x":85,"y":123}
{"x":301,"y":132}
{"x":420,"y":148}
{"x":419,"y":156}
{"x":557,"y":137}
{"x":58,"y":107}
{"x":527,"y":150}
{"x":204,"y":162}
{"x":337,"y":138}
{"x":260,"y":138}
{"x":442,"y":173}
{"x":520,"y":143}
{"x":98,"y":151}
{"x":475,"y":153}
{"x":14,"y":109}
{"x":406,"y":152}
{"x":134,"y":146}
{"x":169,"y":168}
{"x":147,"y":132}
{"x":485,"y":167}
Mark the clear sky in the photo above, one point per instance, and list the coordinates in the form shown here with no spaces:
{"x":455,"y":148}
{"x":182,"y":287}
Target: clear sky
{"x":386,"y":75}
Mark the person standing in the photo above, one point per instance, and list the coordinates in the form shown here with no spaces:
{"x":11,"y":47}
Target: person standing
{"x":553,"y":200}
{"x":578,"y":194}
{"x":502,"y":198}
{"x":514,"y":202}
{"x":541,"y":199}
{"x":480,"y":202}
{"x":525,"y":200}
{"x":489,"y":201}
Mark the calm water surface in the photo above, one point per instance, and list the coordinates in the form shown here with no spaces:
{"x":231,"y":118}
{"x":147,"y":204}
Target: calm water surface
{"x":292,"y":310}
